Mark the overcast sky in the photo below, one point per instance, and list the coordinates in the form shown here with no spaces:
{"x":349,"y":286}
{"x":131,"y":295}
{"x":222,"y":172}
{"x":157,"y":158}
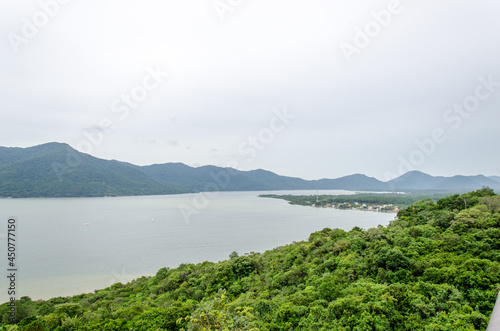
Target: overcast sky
{"x":312,"y":89}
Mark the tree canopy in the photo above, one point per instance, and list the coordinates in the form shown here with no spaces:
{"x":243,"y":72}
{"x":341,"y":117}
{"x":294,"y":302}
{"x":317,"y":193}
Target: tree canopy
{"x":435,"y":267}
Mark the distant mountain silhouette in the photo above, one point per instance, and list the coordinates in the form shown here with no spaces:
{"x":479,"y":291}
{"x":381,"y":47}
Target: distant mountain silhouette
{"x":352,"y":182}
{"x":57,"y":170}
{"x":495,"y":178}
{"x":416,"y":180}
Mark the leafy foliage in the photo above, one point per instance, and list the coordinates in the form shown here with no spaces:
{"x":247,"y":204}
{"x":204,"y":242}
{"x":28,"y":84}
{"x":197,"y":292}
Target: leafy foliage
{"x":435,"y":267}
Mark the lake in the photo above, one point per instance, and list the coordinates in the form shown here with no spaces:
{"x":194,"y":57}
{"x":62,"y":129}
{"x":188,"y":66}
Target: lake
{"x":70,"y":246}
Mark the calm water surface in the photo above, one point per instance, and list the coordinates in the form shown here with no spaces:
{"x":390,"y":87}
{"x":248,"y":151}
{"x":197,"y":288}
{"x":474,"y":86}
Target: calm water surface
{"x":71,"y":246}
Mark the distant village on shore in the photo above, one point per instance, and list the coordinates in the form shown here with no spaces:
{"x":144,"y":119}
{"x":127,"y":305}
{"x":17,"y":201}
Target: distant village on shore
{"x":390,"y":208}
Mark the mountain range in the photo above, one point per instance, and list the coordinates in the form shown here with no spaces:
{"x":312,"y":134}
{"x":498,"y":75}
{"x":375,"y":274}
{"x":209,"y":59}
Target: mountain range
{"x":58,"y":170}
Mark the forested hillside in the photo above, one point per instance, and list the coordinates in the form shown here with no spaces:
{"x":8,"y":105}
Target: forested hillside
{"x":436,"y":267}
{"x":58,"y":170}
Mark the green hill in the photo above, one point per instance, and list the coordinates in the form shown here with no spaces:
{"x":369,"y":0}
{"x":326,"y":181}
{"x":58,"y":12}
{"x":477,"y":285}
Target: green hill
{"x":436,"y":267}
{"x":57,"y":170}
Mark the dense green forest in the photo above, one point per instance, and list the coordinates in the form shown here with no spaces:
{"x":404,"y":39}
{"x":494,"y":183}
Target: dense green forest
{"x":435,"y":267}
{"x":399,"y":200}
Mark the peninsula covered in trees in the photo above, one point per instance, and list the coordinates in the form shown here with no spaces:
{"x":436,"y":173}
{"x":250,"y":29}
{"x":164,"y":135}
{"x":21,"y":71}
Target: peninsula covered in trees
{"x":435,"y":267}
{"x":379,"y":202}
